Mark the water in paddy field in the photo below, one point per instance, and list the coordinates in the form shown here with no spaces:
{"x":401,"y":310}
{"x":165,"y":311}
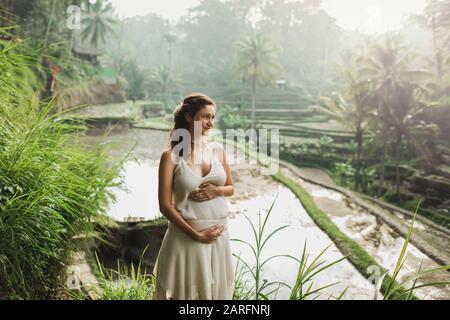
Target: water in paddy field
{"x":141,"y":180}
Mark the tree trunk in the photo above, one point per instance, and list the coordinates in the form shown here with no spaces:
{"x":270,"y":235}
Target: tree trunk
{"x":253,"y":100}
{"x":438,"y":61}
{"x":398,"y":143}
{"x":383,"y":166}
{"x":359,"y":140}
{"x":47,"y":33}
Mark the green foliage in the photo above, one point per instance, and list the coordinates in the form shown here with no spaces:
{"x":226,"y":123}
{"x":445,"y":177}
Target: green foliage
{"x":160,"y":82}
{"x":97,"y":22}
{"x":125,"y":283}
{"x":258,"y":63}
{"x":260,"y":286}
{"x":324,"y":143}
{"x":258,"y":59}
{"x":136,"y":78}
{"x":19,"y":76}
{"x":230,"y":117}
{"x":362,"y":261}
{"x":303,"y":287}
{"x":51,"y":190}
{"x":242,"y":289}
{"x":397,"y":290}
{"x":345,"y":173}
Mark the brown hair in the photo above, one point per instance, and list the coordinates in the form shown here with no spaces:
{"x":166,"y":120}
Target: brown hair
{"x":191,"y":104}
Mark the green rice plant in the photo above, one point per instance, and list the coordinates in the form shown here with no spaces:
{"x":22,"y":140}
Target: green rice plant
{"x":260,"y":286}
{"x":396,"y":290}
{"x":20,"y":75}
{"x":51,"y":187}
{"x":125,"y":283}
{"x":303,"y":287}
{"x":241,"y":291}
{"x":51,"y":190}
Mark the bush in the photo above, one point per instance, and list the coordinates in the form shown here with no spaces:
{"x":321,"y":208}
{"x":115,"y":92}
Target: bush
{"x":51,"y":189}
{"x":229,"y":117}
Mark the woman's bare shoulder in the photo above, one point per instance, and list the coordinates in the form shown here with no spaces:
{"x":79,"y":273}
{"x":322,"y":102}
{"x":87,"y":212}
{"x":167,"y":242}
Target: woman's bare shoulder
{"x":168,"y":158}
{"x":216,"y":146}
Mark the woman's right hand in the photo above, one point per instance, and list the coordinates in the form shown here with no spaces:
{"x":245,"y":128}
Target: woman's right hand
{"x":210,"y":234}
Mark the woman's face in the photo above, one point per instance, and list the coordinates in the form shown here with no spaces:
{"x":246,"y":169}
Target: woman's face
{"x":207,"y":116}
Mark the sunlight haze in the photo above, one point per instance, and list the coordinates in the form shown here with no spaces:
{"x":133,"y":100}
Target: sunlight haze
{"x":369,"y":16}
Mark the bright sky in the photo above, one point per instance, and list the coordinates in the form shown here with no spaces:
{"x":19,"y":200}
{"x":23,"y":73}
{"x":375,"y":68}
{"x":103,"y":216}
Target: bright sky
{"x":370,"y":16}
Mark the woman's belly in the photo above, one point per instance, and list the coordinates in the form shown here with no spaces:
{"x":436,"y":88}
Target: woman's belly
{"x":217,"y":208}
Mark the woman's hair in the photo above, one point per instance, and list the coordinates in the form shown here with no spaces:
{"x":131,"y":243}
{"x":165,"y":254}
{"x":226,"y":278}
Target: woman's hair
{"x":191,"y":104}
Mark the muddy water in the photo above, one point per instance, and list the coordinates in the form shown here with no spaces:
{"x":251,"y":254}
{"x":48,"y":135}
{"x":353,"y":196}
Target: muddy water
{"x":377,"y":238}
{"x":254,"y":195}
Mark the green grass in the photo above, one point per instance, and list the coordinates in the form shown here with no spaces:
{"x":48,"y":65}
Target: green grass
{"x":125,"y":283}
{"x":51,"y":188}
{"x":259,"y":287}
{"x":121,"y":283}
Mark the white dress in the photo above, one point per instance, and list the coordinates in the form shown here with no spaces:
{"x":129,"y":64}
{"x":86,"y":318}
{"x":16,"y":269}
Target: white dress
{"x":187,"y":269}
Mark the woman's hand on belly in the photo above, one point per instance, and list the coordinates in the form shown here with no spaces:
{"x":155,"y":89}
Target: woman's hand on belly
{"x":206,"y":191}
{"x":209,"y":235}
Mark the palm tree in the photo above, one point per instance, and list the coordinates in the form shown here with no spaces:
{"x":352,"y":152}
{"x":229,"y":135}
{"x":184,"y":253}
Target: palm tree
{"x":396,"y":85}
{"x":52,"y":15}
{"x":136,"y":79}
{"x":170,"y":39}
{"x":258,"y":62}
{"x":353,"y":110}
{"x":98,"y":22}
{"x":436,"y":18}
{"x":437,"y":15}
{"x":161,"y":81}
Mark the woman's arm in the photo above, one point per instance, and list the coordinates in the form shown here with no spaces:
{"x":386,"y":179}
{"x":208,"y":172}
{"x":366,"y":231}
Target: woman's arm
{"x":165,"y":178}
{"x":227,"y":190}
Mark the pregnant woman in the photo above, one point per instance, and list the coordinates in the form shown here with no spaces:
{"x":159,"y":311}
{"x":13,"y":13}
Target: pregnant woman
{"x":195,"y":260}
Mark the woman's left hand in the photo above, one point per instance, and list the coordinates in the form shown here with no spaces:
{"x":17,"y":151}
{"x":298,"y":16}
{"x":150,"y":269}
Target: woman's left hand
{"x":206,"y":191}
